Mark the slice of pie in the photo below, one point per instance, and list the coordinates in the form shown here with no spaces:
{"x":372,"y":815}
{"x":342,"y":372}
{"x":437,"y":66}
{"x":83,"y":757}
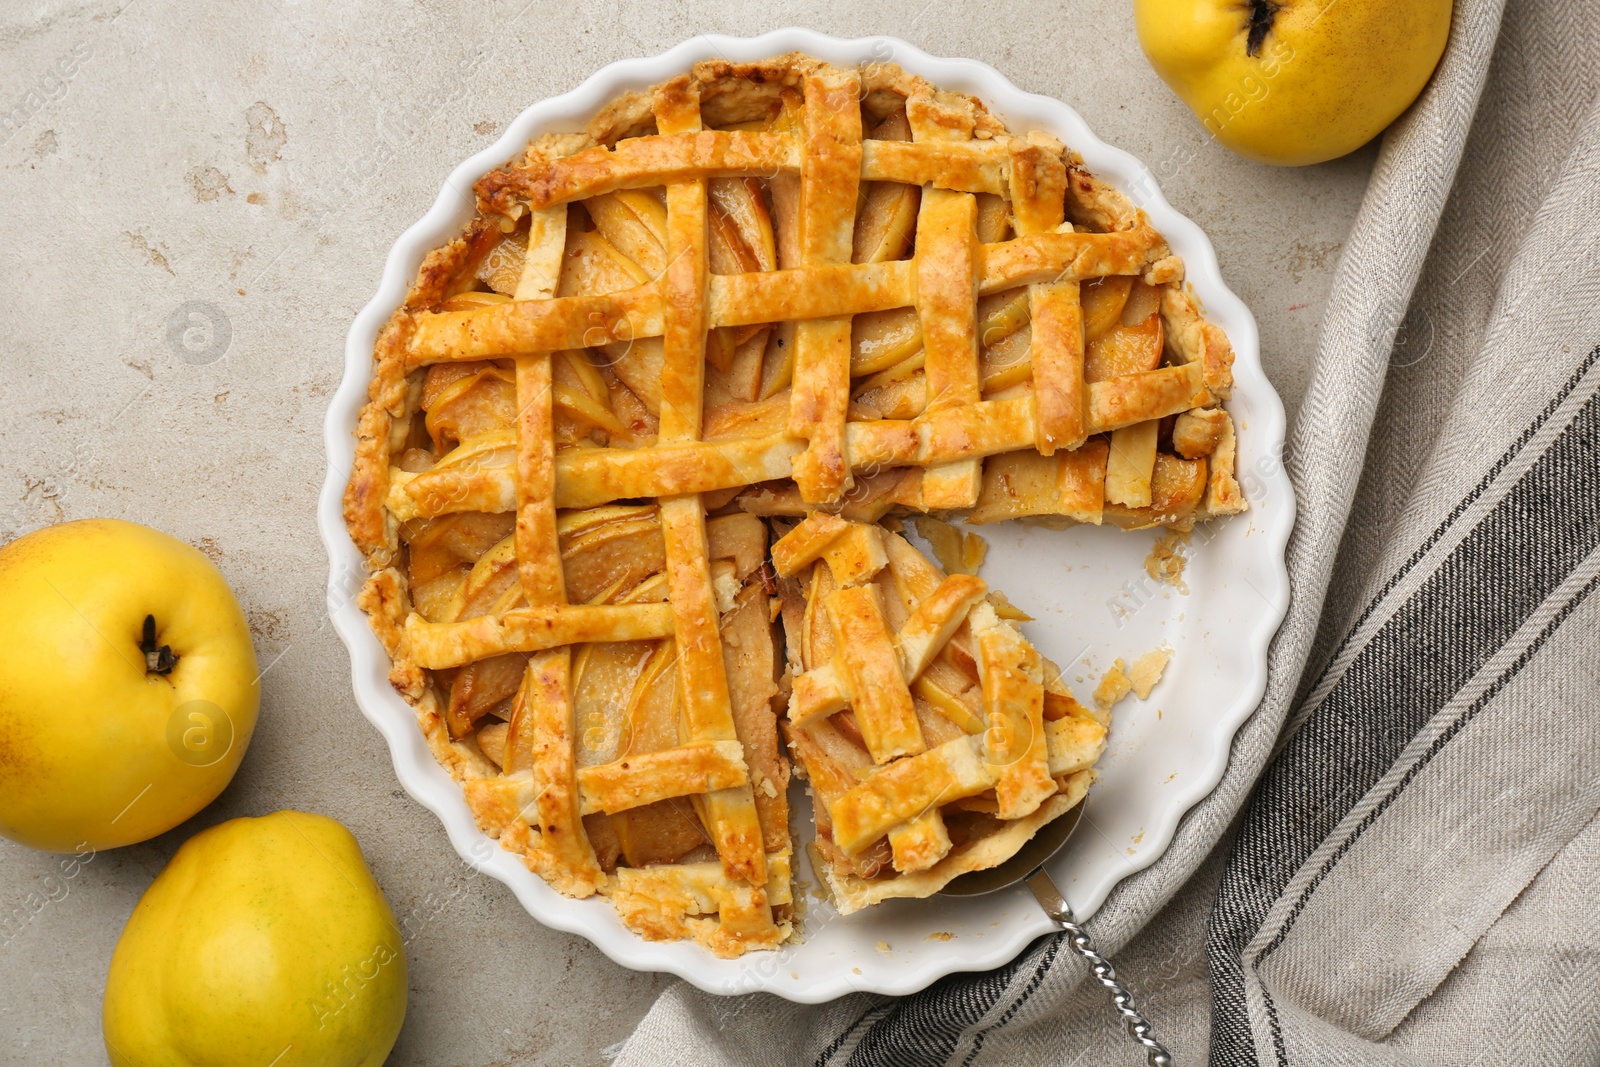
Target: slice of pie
{"x":934,"y":737}
{"x":679,"y":376}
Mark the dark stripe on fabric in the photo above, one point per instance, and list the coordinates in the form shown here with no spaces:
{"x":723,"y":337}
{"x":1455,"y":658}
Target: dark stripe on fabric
{"x":1050,"y":949}
{"x":1278,"y":1045}
{"x":922,"y":1030}
{"x":1422,"y":655}
{"x":1445,"y":737}
{"x":844,"y":1035}
{"x":1460,"y":509}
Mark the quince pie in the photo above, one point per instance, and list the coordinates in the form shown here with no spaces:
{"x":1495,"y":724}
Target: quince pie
{"x":676,"y":380}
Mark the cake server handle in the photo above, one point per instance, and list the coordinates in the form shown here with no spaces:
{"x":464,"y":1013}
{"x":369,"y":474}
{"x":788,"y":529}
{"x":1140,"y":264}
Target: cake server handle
{"x":1139,"y":1028}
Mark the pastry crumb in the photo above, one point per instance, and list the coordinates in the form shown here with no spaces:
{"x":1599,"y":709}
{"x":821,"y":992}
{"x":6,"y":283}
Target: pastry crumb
{"x":1139,"y":679}
{"x":1166,"y":560}
{"x":1005,"y":608}
{"x":1147,"y":670}
{"x":1114,"y":685}
{"x":941,"y":935}
{"x":883,"y":947}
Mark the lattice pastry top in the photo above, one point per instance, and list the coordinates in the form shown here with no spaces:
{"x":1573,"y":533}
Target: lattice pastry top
{"x":773,"y":291}
{"x":935,"y":738}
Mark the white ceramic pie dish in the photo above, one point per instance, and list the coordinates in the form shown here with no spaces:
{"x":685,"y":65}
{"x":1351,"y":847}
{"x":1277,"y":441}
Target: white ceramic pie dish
{"x":1086,"y":586}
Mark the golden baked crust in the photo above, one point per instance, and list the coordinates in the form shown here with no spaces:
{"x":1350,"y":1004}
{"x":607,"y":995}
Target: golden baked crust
{"x":759,"y":293}
{"x":934,"y":738}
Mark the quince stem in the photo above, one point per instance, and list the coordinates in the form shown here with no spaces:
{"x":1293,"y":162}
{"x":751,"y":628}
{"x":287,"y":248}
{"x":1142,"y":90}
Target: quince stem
{"x":1263,"y":13}
{"x":156,"y":660}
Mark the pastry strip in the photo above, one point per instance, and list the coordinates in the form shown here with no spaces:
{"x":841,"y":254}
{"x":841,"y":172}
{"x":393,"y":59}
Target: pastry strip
{"x":644,"y":162}
{"x":947,"y":294}
{"x":729,"y":813}
{"x":1013,"y":703}
{"x":830,"y":172}
{"x":1038,"y":191}
{"x":871,"y":670}
{"x":644,"y":778}
{"x":592,"y":476}
{"x":814,"y":292}
{"x":541,"y":728}
{"x":908,"y":789}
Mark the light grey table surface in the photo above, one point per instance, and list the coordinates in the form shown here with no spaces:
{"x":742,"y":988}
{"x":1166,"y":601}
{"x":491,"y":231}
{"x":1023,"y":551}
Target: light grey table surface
{"x":260,"y":158}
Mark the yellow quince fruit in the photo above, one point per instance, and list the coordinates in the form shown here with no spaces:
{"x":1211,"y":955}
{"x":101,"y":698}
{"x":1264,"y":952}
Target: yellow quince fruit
{"x":265,"y":941}
{"x":1293,"y":82}
{"x":128,"y":685}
